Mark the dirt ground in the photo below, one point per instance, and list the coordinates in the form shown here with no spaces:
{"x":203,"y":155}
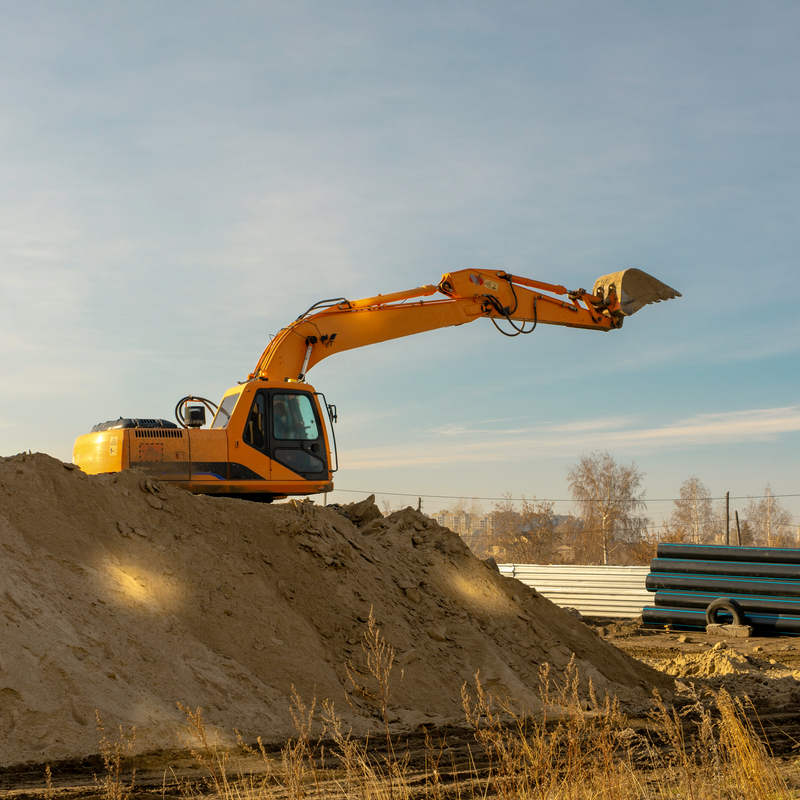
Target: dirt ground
{"x":766,"y":669}
{"x":123,"y":596}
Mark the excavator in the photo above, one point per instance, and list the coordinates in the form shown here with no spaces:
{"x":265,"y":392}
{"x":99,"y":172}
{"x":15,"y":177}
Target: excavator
{"x":268,"y":438}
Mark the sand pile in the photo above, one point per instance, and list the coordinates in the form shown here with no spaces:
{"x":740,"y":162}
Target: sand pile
{"x":127,"y":596}
{"x":722,"y":661}
{"x":717,"y":662}
{"x":770,"y":682}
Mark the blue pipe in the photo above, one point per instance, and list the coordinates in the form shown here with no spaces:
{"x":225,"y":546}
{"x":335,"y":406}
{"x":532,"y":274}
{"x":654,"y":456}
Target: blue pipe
{"x":751,"y":569}
{"x":683,"y":617}
{"x":721,"y":584}
{"x":762,"y":555}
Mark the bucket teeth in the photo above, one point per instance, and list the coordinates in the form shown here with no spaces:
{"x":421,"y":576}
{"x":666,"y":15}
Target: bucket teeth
{"x":634,"y":289}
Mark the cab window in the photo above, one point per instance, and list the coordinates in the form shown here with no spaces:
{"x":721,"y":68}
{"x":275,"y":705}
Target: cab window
{"x":293,"y":418}
{"x":255,"y":430}
{"x":224,"y":411}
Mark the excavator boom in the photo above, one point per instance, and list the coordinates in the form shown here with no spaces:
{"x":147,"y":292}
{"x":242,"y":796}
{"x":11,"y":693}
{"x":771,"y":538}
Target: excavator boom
{"x":334,"y":326}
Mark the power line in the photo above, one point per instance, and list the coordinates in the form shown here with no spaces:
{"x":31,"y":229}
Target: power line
{"x":539,"y":499}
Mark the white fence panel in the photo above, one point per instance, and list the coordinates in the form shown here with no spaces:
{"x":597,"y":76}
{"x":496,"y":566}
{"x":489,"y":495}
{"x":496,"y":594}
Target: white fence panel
{"x":595,"y":591}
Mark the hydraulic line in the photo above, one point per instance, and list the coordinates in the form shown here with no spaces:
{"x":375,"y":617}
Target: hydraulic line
{"x":506,"y":314}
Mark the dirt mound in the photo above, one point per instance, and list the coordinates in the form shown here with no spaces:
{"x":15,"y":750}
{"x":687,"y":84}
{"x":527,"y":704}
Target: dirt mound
{"x":766,"y":681}
{"x":713,"y":663}
{"x":127,"y":596}
{"x":723,"y":660}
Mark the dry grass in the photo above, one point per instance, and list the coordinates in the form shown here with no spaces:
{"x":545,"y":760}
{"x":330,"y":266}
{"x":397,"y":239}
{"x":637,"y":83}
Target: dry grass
{"x":705,"y":752}
{"x":114,"y":784}
{"x":578,"y":748}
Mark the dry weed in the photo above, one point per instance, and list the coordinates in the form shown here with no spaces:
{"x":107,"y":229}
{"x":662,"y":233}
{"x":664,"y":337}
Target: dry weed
{"x":577,"y":748}
{"x":113,"y":755}
{"x":209,"y":755}
{"x":373,"y":682}
{"x":49,"y":792}
{"x":570,"y":751}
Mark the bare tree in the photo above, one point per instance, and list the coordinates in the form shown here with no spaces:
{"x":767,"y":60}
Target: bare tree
{"x":527,"y":535}
{"x":642,"y":550}
{"x":769,"y":522}
{"x":670,"y":532}
{"x":691,"y":519}
{"x":608,"y":496}
{"x":571,"y":549}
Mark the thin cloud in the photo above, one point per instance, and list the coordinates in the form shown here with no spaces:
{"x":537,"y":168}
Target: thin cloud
{"x":602,"y":424}
{"x":703,"y":429}
{"x":736,"y":426}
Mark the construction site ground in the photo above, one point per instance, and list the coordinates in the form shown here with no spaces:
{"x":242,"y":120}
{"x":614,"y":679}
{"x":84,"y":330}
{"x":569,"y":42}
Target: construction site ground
{"x":122,"y":597}
{"x":766,"y":669}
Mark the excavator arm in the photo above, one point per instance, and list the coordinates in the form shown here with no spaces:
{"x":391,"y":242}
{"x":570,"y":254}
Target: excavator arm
{"x":333,"y":326}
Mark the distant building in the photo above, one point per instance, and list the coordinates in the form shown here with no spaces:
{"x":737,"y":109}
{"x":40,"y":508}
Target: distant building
{"x":484,"y":523}
{"x":460,"y":522}
{"x":457,"y":522}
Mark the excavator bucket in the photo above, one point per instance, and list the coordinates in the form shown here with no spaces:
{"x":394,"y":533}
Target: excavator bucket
{"x":634,"y":289}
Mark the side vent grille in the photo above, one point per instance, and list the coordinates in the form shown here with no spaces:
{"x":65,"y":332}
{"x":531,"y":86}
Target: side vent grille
{"x":158,"y":433}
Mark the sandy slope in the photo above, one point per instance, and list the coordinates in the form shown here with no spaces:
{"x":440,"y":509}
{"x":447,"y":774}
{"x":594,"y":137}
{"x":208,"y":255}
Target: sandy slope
{"x":125,"y":596}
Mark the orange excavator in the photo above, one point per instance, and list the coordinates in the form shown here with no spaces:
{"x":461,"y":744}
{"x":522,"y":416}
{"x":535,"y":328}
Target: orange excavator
{"x":268,"y":438}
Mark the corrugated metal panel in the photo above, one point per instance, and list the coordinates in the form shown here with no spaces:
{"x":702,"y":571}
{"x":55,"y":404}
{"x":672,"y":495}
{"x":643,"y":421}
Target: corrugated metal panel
{"x":595,"y":591}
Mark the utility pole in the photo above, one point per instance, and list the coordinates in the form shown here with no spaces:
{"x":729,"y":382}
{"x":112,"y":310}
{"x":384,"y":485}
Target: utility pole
{"x":419,"y":504}
{"x":738,"y":531}
{"x":727,"y":517}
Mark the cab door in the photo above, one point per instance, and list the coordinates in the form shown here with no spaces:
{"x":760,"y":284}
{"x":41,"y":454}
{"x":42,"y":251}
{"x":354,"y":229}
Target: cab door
{"x":249,"y":465}
{"x":296,"y":438}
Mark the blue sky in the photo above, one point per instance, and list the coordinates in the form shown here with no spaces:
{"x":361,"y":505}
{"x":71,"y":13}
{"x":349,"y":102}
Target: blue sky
{"x":179,"y":180}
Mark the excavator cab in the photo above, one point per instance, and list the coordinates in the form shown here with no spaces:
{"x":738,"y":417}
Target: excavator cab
{"x":267,"y":441}
{"x":286,"y":427}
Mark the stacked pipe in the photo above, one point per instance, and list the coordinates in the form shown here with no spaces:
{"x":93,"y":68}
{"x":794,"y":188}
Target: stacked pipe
{"x":697,"y":585}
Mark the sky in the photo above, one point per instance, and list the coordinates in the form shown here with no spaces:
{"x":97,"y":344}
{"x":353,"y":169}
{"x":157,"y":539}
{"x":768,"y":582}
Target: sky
{"x":180,"y":180}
